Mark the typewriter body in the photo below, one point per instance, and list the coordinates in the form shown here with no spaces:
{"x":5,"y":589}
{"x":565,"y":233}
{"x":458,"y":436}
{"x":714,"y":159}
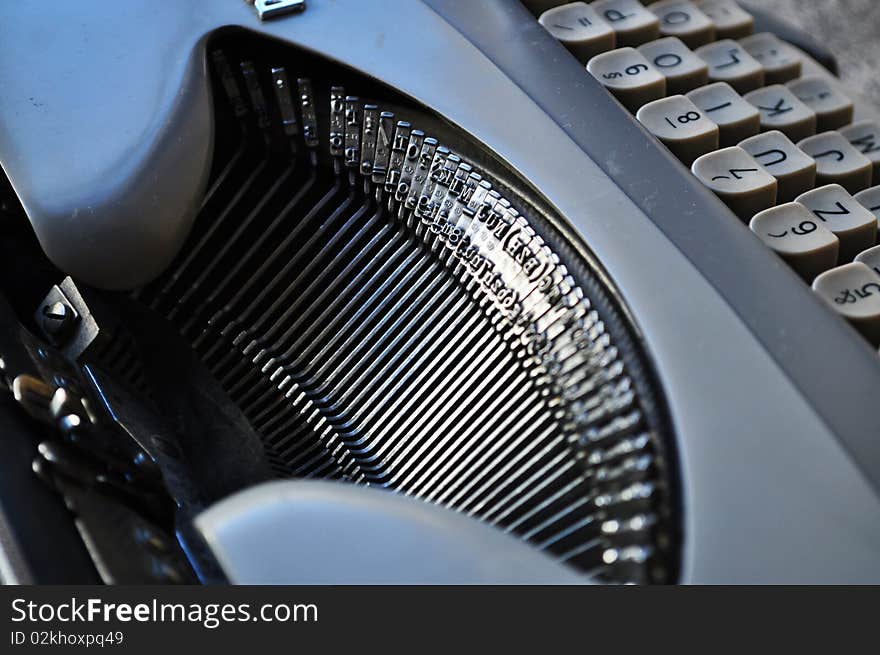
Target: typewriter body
{"x":434,"y":291}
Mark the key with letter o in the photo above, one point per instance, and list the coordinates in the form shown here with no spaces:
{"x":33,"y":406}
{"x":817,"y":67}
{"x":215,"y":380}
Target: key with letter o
{"x":682,"y":68}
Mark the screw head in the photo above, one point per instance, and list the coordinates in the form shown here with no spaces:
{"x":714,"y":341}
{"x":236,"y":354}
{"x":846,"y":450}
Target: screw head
{"x":56,"y":318}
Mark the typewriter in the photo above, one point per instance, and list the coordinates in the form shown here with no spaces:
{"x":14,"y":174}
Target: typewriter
{"x":435,"y":291}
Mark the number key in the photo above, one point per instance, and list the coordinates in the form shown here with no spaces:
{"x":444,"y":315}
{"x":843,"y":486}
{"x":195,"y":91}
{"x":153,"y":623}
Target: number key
{"x":629,"y":76}
{"x":736,"y":178}
{"x":795,"y":234}
{"x":853,"y":291}
{"x":682,"y":19}
{"x":578,"y":27}
{"x":681,"y":127}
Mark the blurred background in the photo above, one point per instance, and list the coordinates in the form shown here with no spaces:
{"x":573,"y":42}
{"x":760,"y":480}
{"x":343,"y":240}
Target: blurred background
{"x":848,"y":28}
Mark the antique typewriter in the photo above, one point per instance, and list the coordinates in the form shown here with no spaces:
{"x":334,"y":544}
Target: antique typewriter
{"x":435,"y":291}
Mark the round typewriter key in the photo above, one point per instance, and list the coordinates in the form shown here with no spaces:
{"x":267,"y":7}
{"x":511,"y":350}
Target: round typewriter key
{"x":736,"y":178}
{"x":736,"y":118}
{"x":781,"y":61}
{"x":795,"y":234}
{"x":729,"y":62}
{"x":782,"y":110}
{"x":853,"y":291}
{"x":833,"y":109}
{"x":871,"y":258}
{"x":682,"y":69}
{"x":682,"y":19}
{"x":795,"y":171}
{"x":629,"y":76}
{"x":838,"y":161}
{"x":632,"y":23}
{"x":681,"y":127}
{"x":865,"y":137}
{"x":731,"y":21}
{"x":578,"y":27}
{"x":837,"y":210}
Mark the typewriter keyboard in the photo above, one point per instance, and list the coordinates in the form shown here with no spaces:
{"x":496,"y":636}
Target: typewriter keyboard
{"x":758,"y":121}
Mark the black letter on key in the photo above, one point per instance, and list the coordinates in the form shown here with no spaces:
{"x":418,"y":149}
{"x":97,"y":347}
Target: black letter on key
{"x":781,"y":153}
{"x":866,"y":143}
{"x":733,"y":58}
{"x":836,"y":153}
{"x":778,"y":108}
{"x":615,"y":15}
{"x":821,"y":212}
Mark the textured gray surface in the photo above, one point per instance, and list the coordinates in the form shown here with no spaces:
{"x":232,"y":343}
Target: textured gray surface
{"x":848,"y":28}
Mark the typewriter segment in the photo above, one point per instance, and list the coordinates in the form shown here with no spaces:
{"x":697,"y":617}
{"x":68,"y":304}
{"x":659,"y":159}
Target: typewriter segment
{"x":757,"y":120}
{"x":386,"y":304}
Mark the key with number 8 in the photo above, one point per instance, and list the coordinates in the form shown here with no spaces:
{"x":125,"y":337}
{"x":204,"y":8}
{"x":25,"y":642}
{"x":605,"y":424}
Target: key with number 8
{"x":681,"y":127}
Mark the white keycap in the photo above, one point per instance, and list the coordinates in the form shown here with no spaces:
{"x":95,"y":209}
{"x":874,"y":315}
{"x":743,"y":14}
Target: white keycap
{"x":682,"y":68}
{"x":782,"y":110}
{"x":731,"y":21}
{"x":629,"y":76}
{"x":870,"y":199}
{"x":838,"y":161}
{"x":682,"y":19}
{"x":781,"y":62}
{"x":736,"y":178}
{"x":578,"y":27}
{"x":736,"y":118}
{"x":853,"y":291}
{"x":870,"y":258}
{"x":729,"y":62}
{"x":632,"y":23}
{"x":792,"y":232}
{"x":833,"y":109}
{"x":837,"y":210}
{"x":865,"y":137}
{"x":794,"y":170}
{"x":682,"y":127}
